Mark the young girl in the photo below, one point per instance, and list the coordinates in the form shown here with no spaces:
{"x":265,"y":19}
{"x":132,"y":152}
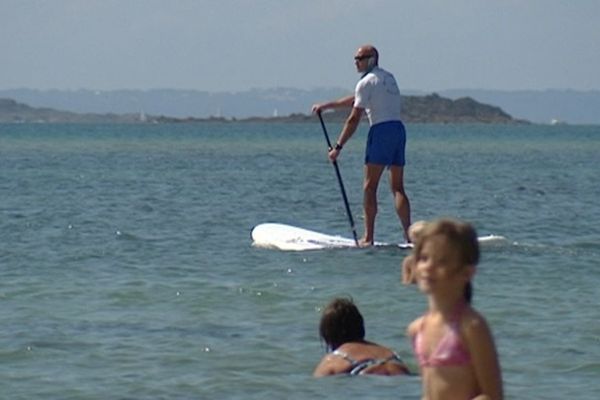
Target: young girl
{"x":409,"y":276}
{"x":342,"y":329}
{"x":452,"y":341}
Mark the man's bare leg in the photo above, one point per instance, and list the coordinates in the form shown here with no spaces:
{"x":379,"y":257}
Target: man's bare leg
{"x":401,"y":202}
{"x":372,"y":175}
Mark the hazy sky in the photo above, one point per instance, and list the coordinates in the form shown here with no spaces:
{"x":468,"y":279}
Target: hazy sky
{"x":234,"y":45}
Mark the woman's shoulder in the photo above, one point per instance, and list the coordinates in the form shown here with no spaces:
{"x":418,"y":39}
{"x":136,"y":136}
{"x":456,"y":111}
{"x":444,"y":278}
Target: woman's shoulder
{"x":352,"y":347}
{"x":331,"y":364}
{"x":362,"y":350}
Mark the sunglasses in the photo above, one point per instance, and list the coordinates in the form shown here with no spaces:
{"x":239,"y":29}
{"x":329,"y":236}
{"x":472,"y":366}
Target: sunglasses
{"x":360,"y":58}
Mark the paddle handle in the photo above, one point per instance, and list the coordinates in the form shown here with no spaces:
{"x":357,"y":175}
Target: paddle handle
{"x":339,"y":178}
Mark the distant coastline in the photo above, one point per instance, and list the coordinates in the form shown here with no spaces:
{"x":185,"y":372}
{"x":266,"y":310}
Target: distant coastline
{"x":415,"y":109}
{"x":578,"y":107}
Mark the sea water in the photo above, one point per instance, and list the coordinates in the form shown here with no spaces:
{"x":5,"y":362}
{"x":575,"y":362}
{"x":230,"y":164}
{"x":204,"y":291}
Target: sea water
{"x":127,"y":270}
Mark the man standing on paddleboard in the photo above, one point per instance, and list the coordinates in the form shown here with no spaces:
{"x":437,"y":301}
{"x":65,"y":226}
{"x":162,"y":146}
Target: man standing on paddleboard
{"x":376,"y":93}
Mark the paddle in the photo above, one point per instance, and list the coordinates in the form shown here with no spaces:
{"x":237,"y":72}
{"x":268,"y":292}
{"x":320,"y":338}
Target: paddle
{"x":339,"y":178}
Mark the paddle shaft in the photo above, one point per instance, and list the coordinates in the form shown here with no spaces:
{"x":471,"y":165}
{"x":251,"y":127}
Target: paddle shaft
{"x":339,"y":178}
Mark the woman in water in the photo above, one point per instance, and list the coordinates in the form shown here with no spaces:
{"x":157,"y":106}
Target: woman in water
{"x":342,"y":329}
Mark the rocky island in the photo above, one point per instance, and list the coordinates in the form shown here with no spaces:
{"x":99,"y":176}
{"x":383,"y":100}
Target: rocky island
{"x":415,"y":109}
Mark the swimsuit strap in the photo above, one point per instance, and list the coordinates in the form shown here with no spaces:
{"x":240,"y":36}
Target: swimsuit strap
{"x":357,"y":367}
{"x":345,"y":356}
{"x":395,"y":357}
{"x":373,"y":362}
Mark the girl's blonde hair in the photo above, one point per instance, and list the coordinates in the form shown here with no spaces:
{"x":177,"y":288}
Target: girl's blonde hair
{"x":461,"y":236}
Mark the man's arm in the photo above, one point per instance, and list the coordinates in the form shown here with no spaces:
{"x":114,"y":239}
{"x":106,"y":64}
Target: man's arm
{"x":343,"y":102}
{"x":347,"y":131}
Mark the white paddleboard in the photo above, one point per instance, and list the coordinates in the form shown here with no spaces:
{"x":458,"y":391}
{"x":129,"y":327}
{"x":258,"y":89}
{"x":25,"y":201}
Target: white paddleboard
{"x":291,"y":238}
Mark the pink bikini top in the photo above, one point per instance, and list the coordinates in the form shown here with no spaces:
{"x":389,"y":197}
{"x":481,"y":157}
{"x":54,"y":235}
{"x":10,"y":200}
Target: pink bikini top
{"x":450,"y":350}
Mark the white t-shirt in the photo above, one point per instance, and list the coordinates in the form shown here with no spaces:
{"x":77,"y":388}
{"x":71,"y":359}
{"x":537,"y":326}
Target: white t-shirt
{"x":377,"y":92}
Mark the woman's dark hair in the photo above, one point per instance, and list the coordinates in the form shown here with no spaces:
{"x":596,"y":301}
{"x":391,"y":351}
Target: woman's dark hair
{"x":341,"y":322}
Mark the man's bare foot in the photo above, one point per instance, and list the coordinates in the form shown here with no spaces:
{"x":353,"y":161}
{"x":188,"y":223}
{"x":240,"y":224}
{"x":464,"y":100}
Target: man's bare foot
{"x":365,"y":243}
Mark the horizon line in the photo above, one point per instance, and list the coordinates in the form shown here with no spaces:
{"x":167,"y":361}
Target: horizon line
{"x":258,"y":89}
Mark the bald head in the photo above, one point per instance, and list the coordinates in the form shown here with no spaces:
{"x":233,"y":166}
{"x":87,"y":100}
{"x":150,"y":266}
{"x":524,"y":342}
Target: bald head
{"x":369,"y":50}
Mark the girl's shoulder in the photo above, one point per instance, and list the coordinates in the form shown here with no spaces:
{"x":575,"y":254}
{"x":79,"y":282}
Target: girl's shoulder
{"x":473,"y":322}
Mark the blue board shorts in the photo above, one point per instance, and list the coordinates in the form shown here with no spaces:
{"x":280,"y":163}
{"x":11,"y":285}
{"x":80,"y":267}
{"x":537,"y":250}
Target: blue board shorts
{"x":386,"y":144}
